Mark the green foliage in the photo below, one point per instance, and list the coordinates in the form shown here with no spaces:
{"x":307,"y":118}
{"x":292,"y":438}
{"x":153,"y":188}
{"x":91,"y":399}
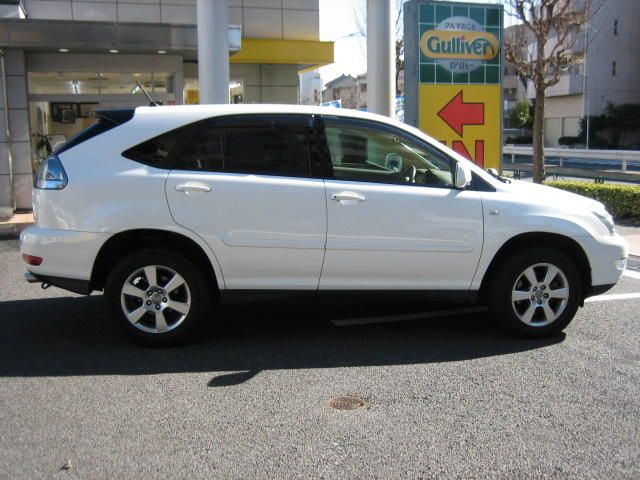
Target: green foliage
{"x":519,"y":140}
{"x":622,"y":201}
{"x":520,"y":115}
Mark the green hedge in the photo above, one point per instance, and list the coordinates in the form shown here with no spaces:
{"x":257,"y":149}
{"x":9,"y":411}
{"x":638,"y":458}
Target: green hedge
{"x":622,"y":201}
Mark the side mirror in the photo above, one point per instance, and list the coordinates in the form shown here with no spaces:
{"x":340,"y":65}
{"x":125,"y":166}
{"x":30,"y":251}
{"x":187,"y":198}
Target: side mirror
{"x":463,"y":176}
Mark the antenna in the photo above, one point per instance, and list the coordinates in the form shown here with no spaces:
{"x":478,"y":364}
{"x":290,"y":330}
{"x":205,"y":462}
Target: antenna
{"x":153,"y":104}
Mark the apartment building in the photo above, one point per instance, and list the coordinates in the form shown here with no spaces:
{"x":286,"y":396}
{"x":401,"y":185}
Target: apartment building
{"x":610,"y":71}
{"x":66,"y":58}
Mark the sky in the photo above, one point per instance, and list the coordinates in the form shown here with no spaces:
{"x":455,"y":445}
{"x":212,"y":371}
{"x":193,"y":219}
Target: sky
{"x":339,"y":24}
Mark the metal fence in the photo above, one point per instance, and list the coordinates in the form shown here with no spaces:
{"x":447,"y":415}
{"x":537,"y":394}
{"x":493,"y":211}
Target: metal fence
{"x":619,"y":165}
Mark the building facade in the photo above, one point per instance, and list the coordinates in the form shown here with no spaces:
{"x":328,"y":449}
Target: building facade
{"x":65,"y":58}
{"x":609,"y":73}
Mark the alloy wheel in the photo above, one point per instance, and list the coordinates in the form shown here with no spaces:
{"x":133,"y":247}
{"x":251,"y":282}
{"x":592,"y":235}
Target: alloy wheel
{"x":540,"y":294}
{"x":155,"y":299}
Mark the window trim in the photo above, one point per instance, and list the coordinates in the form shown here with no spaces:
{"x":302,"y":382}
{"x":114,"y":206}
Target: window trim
{"x":380,"y":126}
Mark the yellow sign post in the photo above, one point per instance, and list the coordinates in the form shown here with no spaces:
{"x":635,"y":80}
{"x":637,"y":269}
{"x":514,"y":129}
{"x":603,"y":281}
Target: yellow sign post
{"x":466,"y":118}
{"x":454,"y":80}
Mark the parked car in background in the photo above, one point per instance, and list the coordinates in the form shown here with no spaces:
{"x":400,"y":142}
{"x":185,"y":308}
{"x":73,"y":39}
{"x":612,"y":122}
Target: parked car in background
{"x":169,"y":210}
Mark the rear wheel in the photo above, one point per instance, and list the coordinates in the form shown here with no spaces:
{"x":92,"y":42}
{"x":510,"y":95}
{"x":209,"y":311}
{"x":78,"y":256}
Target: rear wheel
{"x":535,"y":293}
{"x":157,"y":297}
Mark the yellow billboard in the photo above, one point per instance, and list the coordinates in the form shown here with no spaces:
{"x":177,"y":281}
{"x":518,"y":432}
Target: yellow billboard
{"x":453,"y":75}
{"x":466,"y":118}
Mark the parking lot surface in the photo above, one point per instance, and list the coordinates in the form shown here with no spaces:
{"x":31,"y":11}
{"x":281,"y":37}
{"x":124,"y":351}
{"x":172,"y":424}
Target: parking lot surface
{"x":446,"y":397}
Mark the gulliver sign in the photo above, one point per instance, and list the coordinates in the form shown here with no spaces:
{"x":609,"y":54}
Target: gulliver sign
{"x":453,"y":75}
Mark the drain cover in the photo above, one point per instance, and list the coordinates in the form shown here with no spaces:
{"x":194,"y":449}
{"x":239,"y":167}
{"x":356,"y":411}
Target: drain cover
{"x":346,"y":403}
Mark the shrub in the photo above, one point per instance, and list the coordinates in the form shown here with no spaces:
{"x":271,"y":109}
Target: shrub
{"x":569,"y":141}
{"x":622,"y":201}
{"x":519,"y":140}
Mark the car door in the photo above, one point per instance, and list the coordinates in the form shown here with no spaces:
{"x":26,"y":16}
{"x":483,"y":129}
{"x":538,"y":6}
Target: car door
{"x":395,"y":220}
{"x":244,"y":185}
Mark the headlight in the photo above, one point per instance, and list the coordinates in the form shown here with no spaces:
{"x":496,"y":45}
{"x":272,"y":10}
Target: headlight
{"x":607,"y":221}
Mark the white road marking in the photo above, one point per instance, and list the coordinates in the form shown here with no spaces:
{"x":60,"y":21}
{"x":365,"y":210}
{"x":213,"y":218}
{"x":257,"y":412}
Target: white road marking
{"x":632,"y":274}
{"x":613,"y":296}
{"x":409,"y":316}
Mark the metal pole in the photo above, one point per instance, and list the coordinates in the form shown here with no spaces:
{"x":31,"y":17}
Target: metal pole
{"x":381,"y":64}
{"x":585,"y":96}
{"x":7,"y":132}
{"x":213,"y":51}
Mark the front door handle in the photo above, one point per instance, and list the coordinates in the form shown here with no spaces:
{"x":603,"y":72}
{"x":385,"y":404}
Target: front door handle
{"x":348,"y":198}
{"x":193,"y":187}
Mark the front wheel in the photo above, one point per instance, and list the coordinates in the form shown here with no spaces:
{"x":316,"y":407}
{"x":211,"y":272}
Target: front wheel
{"x":157,"y":297}
{"x":535,"y":293}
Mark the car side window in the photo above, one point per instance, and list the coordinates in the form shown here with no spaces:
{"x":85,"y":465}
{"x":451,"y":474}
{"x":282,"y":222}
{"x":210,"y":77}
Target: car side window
{"x":162,"y":151}
{"x":204,"y":152}
{"x":260,"y":144}
{"x":270,"y":149}
{"x":361,"y":151}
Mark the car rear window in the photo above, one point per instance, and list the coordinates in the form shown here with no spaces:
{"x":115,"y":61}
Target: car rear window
{"x":107,"y":120}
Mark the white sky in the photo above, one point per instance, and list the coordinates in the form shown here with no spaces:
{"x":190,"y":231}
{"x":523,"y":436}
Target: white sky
{"x":337,"y":22}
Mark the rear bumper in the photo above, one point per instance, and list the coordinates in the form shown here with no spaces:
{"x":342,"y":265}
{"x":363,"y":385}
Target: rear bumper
{"x":68,"y":256}
{"x":82,"y":287}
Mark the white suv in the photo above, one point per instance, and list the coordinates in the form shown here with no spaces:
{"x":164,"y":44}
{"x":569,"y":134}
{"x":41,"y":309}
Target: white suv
{"x":169,"y":209}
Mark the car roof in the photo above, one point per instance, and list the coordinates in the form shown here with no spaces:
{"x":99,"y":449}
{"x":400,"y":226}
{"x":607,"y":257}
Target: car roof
{"x":199,"y":111}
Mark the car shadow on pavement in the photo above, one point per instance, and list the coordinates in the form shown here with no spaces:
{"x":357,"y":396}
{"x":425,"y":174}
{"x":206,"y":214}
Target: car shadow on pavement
{"x":73,"y":336}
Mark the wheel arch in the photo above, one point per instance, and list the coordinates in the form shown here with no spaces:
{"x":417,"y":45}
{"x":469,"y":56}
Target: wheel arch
{"x":129,"y":241}
{"x":565,"y":244}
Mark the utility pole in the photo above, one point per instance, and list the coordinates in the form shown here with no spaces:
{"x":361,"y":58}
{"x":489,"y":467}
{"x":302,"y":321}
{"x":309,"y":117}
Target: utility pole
{"x":213,"y":50}
{"x":380,"y":58}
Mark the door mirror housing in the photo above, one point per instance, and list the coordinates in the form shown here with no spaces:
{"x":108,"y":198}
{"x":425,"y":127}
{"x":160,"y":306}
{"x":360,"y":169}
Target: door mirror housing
{"x":463,"y":176}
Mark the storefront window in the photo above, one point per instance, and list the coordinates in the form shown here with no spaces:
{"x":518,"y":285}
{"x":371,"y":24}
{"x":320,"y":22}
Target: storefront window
{"x":119,"y":83}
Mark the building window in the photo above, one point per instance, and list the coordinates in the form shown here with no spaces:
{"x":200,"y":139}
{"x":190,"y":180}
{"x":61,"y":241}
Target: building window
{"x":363,"y":88}
{"x":615,"y":27}
{"x":613,"y":68}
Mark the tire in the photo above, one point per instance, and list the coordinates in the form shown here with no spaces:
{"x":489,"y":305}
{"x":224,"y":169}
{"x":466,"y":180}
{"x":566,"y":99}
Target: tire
{"x":535,"y":293}
{"x":163,"y":311}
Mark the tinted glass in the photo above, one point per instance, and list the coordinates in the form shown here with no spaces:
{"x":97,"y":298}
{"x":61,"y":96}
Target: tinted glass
{"x":269,"y":149}
{"x":162,"y":151}
{"x":204,"y":151}
{"x":362,"y":151}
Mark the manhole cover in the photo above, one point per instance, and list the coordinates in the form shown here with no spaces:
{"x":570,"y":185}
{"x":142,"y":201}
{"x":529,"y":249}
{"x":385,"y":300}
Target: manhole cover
{"x":346,"y":403}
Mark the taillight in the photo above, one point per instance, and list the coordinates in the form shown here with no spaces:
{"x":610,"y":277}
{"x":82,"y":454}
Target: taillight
{"x":51,"y":175}
{"x":32,"y":259}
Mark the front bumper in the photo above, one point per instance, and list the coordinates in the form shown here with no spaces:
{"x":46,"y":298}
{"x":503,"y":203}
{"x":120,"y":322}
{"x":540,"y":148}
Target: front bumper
{"x":607,"y":257}
{"x":68,"y":256}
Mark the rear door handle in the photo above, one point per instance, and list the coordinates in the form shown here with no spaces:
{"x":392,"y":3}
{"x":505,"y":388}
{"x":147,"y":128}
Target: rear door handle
{"x":193,"y":187}
{"x":348,"y":198}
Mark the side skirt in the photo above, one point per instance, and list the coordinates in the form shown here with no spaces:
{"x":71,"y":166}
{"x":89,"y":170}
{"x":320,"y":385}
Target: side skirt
{"x":459,"y":297}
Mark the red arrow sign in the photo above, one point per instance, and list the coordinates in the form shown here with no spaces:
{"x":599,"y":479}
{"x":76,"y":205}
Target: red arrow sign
{"x":457,"y":114}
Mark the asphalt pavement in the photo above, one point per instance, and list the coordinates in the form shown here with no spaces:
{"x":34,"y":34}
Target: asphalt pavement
{"x":449,"y":397}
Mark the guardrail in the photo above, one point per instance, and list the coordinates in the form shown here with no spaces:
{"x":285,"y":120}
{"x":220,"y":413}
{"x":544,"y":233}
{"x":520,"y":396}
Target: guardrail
{"x":620,"y":161}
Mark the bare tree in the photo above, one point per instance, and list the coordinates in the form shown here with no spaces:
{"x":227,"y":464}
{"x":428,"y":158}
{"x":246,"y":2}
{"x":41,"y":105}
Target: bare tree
{"x":554,"y":28}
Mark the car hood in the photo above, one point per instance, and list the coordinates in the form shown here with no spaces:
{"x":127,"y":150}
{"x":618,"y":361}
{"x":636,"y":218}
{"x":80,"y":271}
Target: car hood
{"x":542,"y":194}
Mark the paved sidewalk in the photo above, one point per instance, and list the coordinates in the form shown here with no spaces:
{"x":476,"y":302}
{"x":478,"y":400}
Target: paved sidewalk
{"x":631,"y":231}
{"x":11,"y":227}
